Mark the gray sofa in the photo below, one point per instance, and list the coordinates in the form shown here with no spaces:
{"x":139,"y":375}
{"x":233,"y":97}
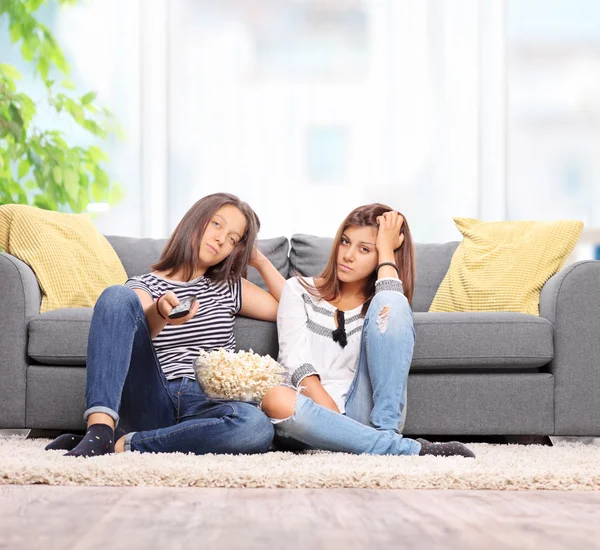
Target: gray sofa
{"x":472,"y":373}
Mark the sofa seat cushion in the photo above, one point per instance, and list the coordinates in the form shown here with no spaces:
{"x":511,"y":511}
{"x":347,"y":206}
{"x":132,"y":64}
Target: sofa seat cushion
{"x":59,"y":337}
{"x":456,"y":341}
{"x":468,"y":340}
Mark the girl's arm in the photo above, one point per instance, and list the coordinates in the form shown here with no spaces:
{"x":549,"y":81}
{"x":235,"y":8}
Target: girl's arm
{"x":389,"y":239}
{"x":294,"y":351}
{"x":256,"y":302}
{"x":273,"y":279}
{"x":312,"y":387}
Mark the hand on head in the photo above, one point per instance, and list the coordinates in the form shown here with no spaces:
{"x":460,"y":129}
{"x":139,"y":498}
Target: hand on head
{"x":389,"y":237}
{"x":256,"y":257}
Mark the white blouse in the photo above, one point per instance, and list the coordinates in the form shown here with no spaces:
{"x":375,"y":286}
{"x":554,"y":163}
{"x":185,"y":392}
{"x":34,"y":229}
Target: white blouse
{"x":306,"y":347}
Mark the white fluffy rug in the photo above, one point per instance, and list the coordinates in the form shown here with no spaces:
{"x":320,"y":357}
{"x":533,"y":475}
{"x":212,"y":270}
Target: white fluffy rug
{"x":567,"y":466}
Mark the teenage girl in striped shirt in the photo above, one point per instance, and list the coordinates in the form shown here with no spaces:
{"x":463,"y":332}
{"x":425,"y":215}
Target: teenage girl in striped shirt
{"x":156,"y":406}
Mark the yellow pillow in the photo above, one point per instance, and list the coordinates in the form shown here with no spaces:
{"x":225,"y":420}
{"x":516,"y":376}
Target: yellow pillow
{"x":502,"y":266}
{"x":72,"y":261}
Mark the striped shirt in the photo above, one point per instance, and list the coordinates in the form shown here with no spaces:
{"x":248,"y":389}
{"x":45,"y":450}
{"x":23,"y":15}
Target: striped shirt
{"x":177,"y":346}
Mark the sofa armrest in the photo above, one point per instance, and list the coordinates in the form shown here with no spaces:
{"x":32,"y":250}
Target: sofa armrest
{"x":570,"y":300}
{"x":20,"y":299}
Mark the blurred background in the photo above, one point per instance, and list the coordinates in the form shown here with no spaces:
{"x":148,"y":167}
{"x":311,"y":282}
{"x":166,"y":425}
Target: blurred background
{"x":308,"y":108}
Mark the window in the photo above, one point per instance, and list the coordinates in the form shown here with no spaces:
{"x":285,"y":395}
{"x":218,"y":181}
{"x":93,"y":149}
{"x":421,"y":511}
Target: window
{"x":309,"y":109}
{"x":554,"y":110}
{"x":101,"y":41}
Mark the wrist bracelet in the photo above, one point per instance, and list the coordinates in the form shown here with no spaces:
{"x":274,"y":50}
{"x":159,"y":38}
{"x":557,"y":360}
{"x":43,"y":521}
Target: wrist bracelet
{"x":158,"y":310}
{"x":388,"y":263}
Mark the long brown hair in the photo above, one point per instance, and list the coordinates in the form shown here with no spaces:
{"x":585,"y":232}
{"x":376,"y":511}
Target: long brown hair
{"x":182,"y":251}
{"x":365,"y":216}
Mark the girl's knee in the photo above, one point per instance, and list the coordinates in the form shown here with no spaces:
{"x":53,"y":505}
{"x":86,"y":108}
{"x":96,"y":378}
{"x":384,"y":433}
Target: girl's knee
{"x":118,"y":296}
{"x":389,"y":298}
{"x":388,"y":307}
{"x":279,"y":402}
{"x":119,"y":293}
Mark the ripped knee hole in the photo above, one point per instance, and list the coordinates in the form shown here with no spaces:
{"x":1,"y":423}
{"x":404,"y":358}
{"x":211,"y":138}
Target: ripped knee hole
{"x":280,"y":403}
{"x":382,"y":319}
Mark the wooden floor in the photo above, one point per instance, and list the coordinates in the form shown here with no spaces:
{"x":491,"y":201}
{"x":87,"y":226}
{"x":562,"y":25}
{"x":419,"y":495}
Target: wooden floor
{"x":42,"y":517}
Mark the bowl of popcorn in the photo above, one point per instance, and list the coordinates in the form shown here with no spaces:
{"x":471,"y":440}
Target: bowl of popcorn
{"x":241,"y":376}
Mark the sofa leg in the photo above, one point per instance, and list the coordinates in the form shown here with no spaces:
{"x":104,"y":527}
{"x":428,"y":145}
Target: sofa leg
{"x":4,"y":432}
{"x":528,"y":440}
{"x":575,"y":439}
{"x":34,"y":433}
{"x":44,"y":434}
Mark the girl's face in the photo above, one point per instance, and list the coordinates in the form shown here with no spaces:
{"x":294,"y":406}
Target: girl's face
{"x":357,"y":256}
{"x":222,"y":234}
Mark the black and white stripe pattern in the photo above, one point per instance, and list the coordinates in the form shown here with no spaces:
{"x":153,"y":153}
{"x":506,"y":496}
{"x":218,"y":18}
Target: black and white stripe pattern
{"x":302,"y":372}
{"x":395,"y":285}
{"x":322,"y":316}
{"x":211,"y":328}
{"x":317,"y":325}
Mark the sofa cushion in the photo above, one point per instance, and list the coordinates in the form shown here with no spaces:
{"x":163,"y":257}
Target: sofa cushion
{"x":486,"y":340}
{"x":137,"y":255}
{"x":60,"y":337}
{"x":72,"y":261}
{"x":309,"y":254}
{"x":276,"y":250}
{"x":446,"y":341}
{"x":503,"y":266}
{"x":431,"y":264}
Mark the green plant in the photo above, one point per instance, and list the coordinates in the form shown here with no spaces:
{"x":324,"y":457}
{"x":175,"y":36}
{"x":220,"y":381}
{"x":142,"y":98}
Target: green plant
{"x":38,"y":166}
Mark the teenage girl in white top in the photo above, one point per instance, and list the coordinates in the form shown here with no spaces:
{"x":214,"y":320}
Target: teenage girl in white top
{"x":346,"y":339}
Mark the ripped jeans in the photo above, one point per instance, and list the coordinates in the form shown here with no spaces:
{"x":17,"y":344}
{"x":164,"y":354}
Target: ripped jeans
{"x":376,"y":401}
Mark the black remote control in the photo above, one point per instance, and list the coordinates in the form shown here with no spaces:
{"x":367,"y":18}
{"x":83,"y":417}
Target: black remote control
{"x":184,"y":307}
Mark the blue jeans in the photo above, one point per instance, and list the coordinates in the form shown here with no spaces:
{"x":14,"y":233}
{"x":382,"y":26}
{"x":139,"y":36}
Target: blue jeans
{"x":376,"y":401}
{"x":125,"y":381}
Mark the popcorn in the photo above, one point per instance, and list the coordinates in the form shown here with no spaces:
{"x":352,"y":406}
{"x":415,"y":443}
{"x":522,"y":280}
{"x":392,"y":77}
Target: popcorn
{"x":241,"y":376}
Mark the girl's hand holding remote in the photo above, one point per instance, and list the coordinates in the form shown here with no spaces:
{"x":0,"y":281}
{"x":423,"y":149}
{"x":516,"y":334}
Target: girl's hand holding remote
{"x":168,"y":301}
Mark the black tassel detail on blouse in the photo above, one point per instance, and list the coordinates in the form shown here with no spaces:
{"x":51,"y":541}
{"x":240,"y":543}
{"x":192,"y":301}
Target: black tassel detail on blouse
{"x":339,"y":334}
